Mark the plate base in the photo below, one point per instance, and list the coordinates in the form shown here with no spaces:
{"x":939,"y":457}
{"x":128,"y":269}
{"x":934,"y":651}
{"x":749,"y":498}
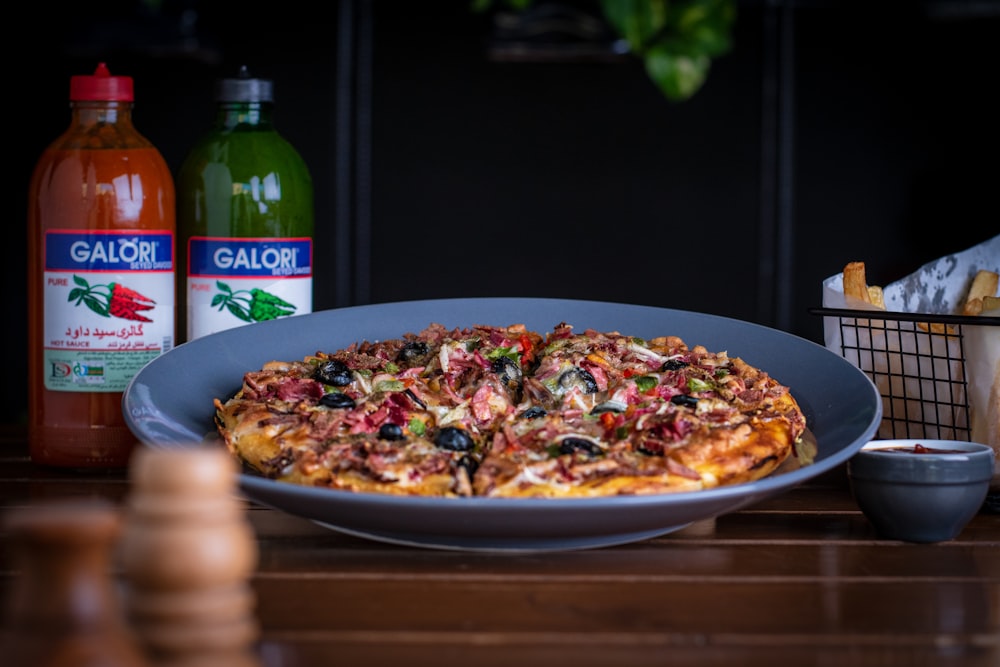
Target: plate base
{"x":494,"y":545}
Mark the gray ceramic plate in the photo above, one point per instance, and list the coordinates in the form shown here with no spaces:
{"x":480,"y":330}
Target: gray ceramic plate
{"x":169,"y":403}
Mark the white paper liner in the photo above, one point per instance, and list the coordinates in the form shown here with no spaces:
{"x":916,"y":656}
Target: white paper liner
{"x":982,"y":351}
{"x":921,"y":366}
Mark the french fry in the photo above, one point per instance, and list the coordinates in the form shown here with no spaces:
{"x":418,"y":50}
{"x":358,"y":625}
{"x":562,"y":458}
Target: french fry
{"x":982,"y":294}
{"x":977,"y":306}
{"x":855,"y":285}
{"x":875,"y":296}
{"x":984,"y":284}
{"x":936,"y":328}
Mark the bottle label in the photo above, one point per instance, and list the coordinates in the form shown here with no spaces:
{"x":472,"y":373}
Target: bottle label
{"x":237,"y":281}
{"x":109,"y":306}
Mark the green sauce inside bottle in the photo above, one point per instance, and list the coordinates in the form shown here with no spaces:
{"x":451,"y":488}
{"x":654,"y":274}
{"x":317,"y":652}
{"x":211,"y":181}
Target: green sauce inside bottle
{"x":245,"y":215}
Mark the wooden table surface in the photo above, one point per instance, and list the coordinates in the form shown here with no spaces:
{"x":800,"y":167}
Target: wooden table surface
{"x":800,"y":579}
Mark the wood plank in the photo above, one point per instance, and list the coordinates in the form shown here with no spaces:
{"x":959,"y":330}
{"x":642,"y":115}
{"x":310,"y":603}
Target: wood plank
{"x":904,"y":608}
{"x":343,"y":559}
{"x":607,"y":649}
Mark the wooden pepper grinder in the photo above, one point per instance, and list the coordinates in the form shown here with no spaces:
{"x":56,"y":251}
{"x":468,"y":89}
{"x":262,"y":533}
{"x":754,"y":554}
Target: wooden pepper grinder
{"x":64,"y":609}
{"x":188,"y":552}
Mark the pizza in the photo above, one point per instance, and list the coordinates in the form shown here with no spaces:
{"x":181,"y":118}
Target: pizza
{"x":503,"y":411}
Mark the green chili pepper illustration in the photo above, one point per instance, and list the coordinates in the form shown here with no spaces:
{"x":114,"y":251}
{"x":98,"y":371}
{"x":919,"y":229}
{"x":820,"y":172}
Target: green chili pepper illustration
{"x":111,"y":300}
{"x":253,"y":305}
{"x":266,"y":306}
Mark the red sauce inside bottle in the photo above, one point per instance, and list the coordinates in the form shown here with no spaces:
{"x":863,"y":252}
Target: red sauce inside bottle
{"x":100,"y":175}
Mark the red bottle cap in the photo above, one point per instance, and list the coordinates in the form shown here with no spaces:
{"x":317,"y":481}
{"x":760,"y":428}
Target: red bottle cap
{"x":100,"y":86}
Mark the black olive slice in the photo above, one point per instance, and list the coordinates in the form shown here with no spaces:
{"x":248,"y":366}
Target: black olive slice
{"x":333,"y":372}
{"x":534,"y":412}
{"x":578,"y":377}
{"x":673,"y":365}
{"x":413,"y":397}
{"x":609,"y":406}
{"x":412,"y":351}
{"x":507,"y":369}
{"x":336,"y":399}
{"x":510,"y":375}
{"x":468,"y":464}
{"x":685,"y":400}
{"x":454,"y":439}
{"x":389,"y":431}
{"x":572,"y":445}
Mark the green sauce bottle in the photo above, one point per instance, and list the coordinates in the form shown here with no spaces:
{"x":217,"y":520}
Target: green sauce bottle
{"x":245,"y":217}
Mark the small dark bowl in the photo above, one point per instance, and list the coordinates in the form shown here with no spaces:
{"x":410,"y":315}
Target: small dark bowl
{"x":920,"y":490}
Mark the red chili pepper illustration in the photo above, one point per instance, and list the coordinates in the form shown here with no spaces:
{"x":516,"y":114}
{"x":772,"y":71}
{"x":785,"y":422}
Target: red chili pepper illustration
{"x":126,"y":303}
{"x":111,"y":300}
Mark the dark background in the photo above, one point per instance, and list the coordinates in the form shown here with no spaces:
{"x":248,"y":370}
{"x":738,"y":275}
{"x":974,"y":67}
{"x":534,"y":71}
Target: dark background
{"x":833,"y":131}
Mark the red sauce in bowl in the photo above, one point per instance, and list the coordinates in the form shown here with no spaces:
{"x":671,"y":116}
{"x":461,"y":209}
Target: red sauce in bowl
{"x":920,"y":449}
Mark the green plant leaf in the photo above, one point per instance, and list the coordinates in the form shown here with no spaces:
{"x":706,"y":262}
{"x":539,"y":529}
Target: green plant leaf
{"x":677,"y":76}
{"x":677,"y":39}
{"x":637,"y":21}
{"x":705,"y":26}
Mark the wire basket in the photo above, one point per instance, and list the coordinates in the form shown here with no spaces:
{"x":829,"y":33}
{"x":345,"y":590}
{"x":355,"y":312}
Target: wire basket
{"x":917,"y":361}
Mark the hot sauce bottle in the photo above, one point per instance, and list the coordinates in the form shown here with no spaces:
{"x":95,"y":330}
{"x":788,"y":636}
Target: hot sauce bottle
{"x":245,"y":216}
{"x":101,"y":276}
